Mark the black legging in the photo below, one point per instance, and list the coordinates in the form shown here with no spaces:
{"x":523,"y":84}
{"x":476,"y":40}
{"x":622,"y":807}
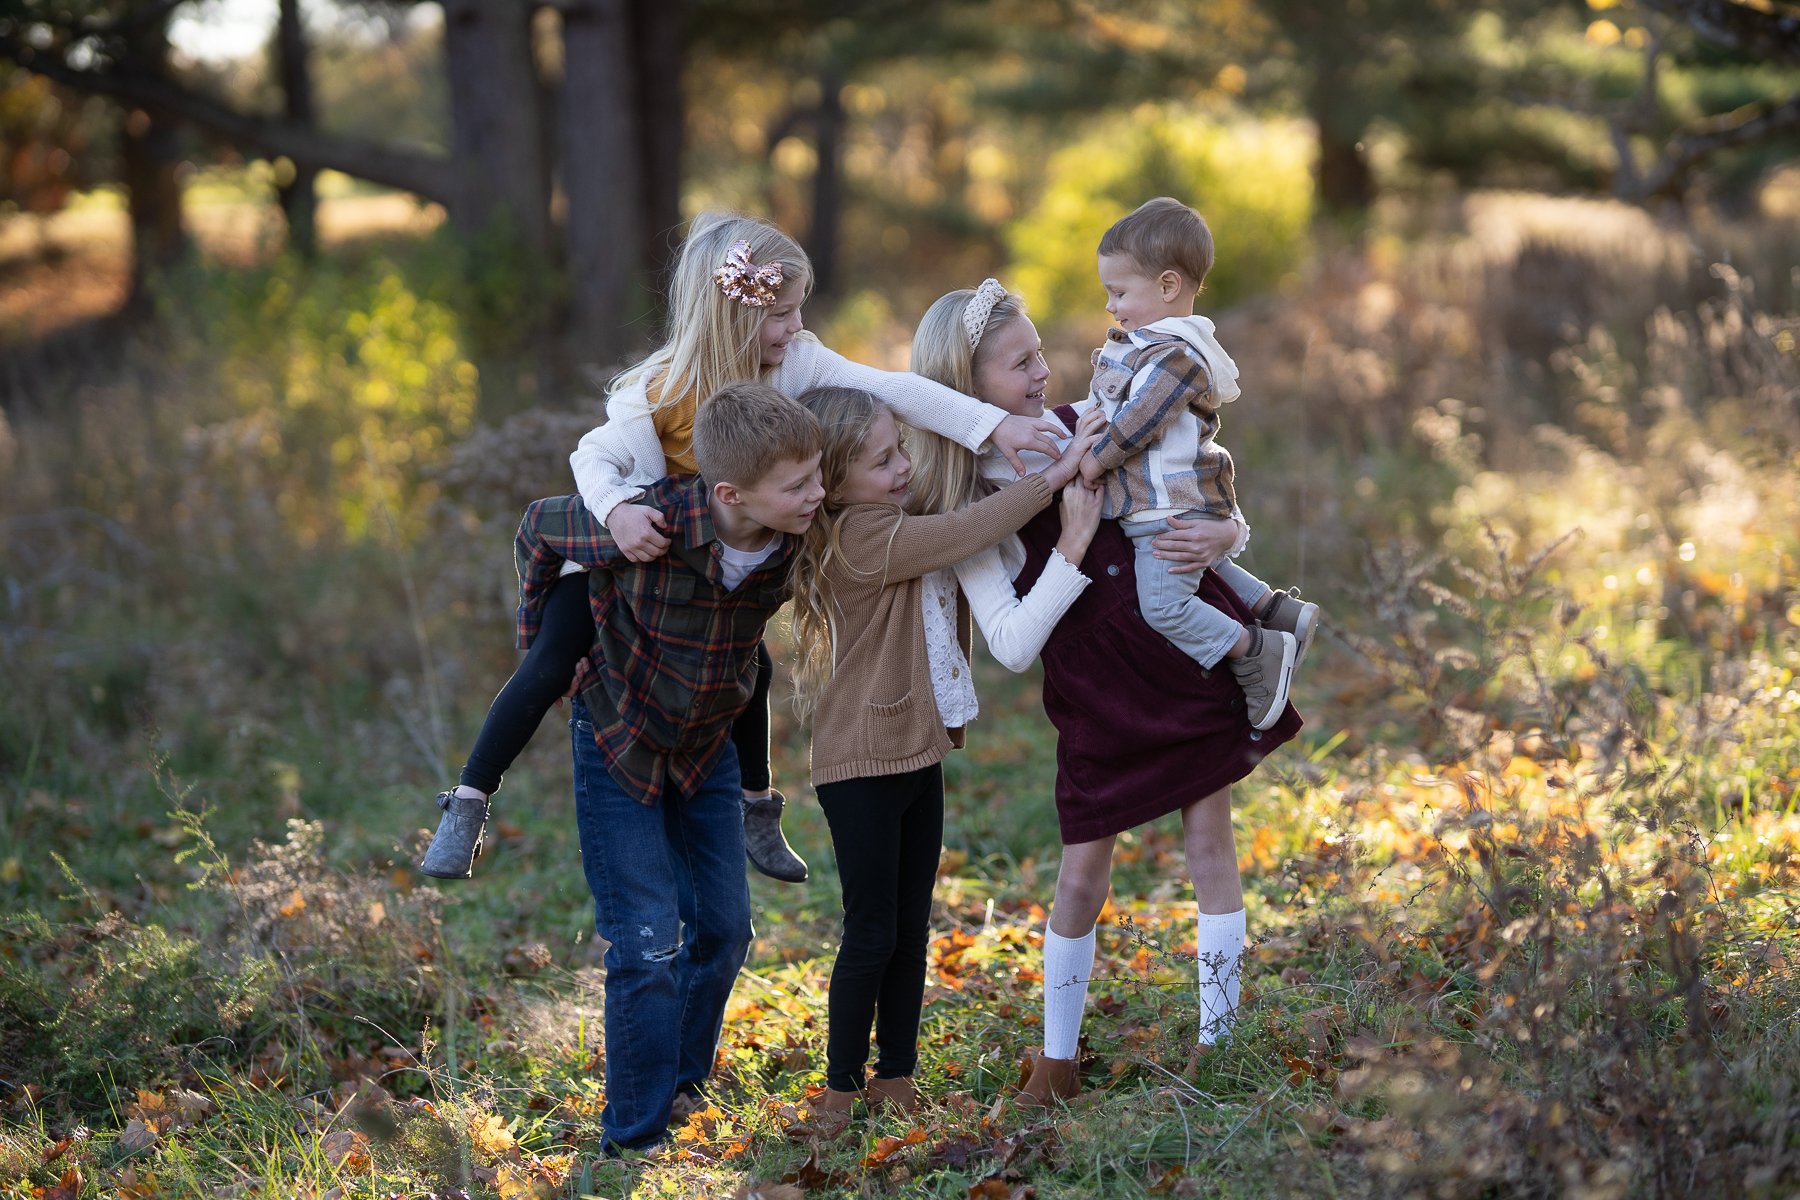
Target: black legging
{"x":565,"y":635}
{"x":886,"y":831}
{"x":751,"y":730}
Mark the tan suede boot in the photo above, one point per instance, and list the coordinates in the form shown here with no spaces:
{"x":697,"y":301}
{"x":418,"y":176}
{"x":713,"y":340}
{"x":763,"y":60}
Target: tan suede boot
{"x":1051,"y":1079}
{"x":831,"y":1112}
{"x":893,"y":1095}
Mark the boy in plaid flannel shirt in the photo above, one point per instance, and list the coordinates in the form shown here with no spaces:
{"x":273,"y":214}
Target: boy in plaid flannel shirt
{"x":657,"y":795}
{"x":1160,"y":378}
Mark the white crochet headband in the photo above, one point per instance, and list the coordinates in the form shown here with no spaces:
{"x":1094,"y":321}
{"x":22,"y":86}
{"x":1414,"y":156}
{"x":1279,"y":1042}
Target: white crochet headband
{"x":979,"y":308}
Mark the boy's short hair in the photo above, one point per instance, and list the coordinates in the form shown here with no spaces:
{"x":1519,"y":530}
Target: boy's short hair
{"x":745,"y":429}
{"x":1161,"y":235}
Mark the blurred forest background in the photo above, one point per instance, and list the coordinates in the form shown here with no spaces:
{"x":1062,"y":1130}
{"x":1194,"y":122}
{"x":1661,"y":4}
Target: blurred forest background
{"x":301,"y":300}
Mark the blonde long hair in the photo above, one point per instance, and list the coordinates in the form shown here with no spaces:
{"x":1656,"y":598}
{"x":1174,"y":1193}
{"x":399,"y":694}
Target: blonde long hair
{"x":947,"y":475}
{"x":846,"y":415}
{"x":712,"y":338}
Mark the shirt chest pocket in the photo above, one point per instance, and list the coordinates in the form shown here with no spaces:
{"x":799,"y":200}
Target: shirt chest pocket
{"x":1112,"y":383}
{"x":671,"y":609}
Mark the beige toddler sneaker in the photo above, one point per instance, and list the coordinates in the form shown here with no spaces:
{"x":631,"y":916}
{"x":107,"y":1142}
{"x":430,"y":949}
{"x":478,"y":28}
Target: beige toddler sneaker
{"x":1290,"y":614}
{"x":1265,"y":673}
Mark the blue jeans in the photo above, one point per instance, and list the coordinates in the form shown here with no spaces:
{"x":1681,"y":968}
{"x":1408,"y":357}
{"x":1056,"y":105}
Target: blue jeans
{"x":1169,"y":605}
{"x":671,"y":898}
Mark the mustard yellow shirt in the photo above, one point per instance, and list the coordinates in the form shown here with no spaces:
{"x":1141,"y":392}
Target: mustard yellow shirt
{"x":675,"y":430}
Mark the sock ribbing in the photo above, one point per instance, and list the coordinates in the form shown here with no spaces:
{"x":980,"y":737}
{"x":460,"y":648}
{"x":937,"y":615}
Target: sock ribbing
{"x":1068,"y":965}
{"x":1219,"y":945}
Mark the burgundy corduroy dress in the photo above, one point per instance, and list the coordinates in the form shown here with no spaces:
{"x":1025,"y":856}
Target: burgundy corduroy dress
{"x":1142,"y":729}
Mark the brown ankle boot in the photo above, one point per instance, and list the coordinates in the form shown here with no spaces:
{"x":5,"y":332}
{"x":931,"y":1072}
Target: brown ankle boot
{"x":831,"y":1112}
{"x":897,"y":1095}
{"x":1051,"y":1079}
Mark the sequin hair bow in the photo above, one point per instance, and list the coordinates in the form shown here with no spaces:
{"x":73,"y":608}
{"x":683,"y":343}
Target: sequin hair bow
{"x":979,"y":308}
{"x":744,"y":281}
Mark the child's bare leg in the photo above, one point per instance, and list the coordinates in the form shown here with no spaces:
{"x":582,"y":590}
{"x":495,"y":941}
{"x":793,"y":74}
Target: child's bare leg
{"x":1212,"y":853}
{"x":1082,"y":884}
{"x":1219,"y":894}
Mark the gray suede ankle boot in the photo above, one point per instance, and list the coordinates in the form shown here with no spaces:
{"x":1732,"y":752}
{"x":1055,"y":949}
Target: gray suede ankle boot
{"x":763,"y":840}
{"x":457,"y":843}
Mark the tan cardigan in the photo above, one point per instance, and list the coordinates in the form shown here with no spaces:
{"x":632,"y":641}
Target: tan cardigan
{"x":877,"y":714}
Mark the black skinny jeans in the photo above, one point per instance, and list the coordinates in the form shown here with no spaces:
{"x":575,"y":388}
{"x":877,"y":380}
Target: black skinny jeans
{"x":886,"y":831}
{"x":565,"y":636}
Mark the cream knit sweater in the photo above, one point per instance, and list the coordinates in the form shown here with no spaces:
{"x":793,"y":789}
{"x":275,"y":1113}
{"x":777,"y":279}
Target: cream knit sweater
{"x":617,"y":460}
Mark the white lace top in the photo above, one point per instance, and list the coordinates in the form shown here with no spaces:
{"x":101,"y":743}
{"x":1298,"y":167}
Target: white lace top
{"x":951,"y":685}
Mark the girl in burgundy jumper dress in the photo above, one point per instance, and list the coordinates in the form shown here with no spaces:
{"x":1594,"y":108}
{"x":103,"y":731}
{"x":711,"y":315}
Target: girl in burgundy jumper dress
{"x":1143,"y":730}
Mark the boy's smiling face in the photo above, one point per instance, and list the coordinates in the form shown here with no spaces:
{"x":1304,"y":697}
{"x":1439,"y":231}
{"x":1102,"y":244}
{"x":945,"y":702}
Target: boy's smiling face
{"x":1135,"y":299}
{"x":785,"y":499}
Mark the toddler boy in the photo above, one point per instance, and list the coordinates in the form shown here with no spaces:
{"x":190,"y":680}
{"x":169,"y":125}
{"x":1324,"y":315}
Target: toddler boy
{"x":1161,"y":378}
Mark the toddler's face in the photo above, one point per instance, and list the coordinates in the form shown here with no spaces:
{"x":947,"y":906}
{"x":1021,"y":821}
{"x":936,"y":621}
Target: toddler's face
{"x":1133,"y":298}
{"x":1010,"y":371}
{"x":780,"y":324}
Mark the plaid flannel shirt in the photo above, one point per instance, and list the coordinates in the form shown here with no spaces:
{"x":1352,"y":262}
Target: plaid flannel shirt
{"x":674,"y":656}
{"x":1159,"y":449}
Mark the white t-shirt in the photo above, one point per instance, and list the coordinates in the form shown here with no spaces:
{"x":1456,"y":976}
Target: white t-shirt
{"x":737,"y":564}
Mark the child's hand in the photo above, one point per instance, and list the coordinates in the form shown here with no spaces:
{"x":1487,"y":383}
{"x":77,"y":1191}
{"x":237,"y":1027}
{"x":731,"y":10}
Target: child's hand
{"x":1090,"y":428}
{"x":1080,"y":512}
{"x":1195,"y":545}
{"x":1065,"y":468}
{"x":639,"y":531}
{"x":1015,"y":433}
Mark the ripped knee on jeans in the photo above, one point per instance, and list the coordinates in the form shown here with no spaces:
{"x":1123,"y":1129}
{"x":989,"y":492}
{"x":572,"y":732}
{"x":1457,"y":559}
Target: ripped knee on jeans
{"x":653,"y":951}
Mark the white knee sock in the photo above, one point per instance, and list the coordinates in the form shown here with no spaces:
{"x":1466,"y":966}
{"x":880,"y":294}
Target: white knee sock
{"x":1068,"y":965}
{"x":1219,"y":944}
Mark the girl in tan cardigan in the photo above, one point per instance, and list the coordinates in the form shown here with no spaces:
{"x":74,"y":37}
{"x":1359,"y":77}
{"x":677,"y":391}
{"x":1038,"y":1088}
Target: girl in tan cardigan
{"x":872,"y":672}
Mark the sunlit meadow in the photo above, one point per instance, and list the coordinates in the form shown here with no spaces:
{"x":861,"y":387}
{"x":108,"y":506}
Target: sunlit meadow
{"x":1522,"y":897}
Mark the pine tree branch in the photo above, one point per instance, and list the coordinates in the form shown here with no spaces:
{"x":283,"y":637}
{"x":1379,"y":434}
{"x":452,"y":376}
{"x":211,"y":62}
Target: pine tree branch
{"x":1763,"y":34}
{"x":426,"y":175}
{"x":1742,"y":127}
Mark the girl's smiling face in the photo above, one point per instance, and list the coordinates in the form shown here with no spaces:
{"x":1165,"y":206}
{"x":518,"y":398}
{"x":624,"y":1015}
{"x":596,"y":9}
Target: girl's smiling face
{"x":881,"y":471}
{"x":1010,"y":371}
{"x":780,"y":323}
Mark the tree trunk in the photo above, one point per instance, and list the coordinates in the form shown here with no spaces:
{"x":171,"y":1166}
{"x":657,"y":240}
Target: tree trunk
{"x":299,"y":203}
{"x":500,"y":200}
{"x":656,"y":56}
{"x":496,"y":148}
{"x":149,"y":158}
{"x":828,"y":183}
{"x":601,"y":177}
{"x":1345,"y":183}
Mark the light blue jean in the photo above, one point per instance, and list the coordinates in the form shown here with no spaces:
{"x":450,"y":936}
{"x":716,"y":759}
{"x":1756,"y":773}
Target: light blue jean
{"x":670,"y":896}
{"x":1169,"y":605}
